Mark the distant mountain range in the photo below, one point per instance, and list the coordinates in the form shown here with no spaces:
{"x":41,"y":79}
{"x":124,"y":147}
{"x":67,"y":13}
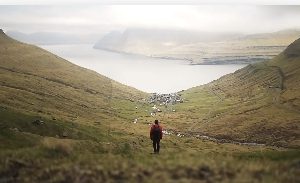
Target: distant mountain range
{"x":132,"y":39}
{"x":153,"y":41}
{"x":50,"y":38}
{"x":199,"y":47}
{"x":193,"y":46}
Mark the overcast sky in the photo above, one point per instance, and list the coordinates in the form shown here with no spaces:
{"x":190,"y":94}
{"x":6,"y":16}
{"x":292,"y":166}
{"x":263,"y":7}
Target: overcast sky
{"x":99,"y":18}
{"x":68,"y":2}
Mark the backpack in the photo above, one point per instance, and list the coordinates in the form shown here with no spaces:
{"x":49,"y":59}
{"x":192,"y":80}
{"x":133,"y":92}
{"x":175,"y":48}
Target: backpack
{"x":156,"y":132}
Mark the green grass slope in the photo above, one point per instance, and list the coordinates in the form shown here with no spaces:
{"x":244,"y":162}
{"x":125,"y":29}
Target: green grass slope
{"x":88,"y":135}
{"x":37,"y":81}
{"x":259,"y":103}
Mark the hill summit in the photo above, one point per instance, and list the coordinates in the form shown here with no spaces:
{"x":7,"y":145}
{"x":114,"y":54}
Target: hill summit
{"x":293,"y":50}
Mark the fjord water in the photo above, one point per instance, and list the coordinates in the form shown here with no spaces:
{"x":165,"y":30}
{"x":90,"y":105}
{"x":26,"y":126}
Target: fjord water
{"x":144,"y":73}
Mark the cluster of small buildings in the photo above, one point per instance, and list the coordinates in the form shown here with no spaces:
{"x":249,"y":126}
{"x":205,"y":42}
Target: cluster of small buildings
{"x":161,"y":102}
{"x":165,"y":99}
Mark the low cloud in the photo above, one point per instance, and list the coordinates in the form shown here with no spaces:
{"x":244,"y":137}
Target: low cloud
{"x":90,"y":19}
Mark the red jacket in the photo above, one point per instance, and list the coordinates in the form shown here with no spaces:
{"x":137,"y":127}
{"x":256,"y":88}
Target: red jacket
{"x":152,"y":129}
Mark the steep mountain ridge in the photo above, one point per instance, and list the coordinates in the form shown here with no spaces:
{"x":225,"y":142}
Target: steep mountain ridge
{"x":293,"y":50}
{"x":38,"y":81}
{"x":259,"y":103}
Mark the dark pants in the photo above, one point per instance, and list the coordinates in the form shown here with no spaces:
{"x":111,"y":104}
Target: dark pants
{"x":156,"y":145}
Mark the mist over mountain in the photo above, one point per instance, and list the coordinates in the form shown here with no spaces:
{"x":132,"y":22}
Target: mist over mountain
{"x":199,"y":47}
{"x":149,"y":41}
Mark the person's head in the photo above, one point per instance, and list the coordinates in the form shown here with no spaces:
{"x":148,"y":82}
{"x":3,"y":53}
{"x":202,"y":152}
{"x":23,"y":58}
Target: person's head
{"x":156,"y":121}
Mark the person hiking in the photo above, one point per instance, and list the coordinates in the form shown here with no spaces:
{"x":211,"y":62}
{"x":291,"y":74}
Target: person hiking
{"x":156,"y":135}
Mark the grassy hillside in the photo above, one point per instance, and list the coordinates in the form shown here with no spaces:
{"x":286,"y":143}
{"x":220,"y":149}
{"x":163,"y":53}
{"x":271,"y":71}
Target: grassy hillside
{"x":63,"y":123}
{"x":46,"y":97}
{"x":259,"y":103}
{"x":37,"y":81}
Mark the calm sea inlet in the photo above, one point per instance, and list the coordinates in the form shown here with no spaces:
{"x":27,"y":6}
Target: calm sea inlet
{"x":144,"y":73}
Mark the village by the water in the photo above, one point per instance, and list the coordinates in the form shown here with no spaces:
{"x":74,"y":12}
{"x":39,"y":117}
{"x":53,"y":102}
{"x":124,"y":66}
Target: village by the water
{"x":163,"y":100}
{"x":162,"y":103}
